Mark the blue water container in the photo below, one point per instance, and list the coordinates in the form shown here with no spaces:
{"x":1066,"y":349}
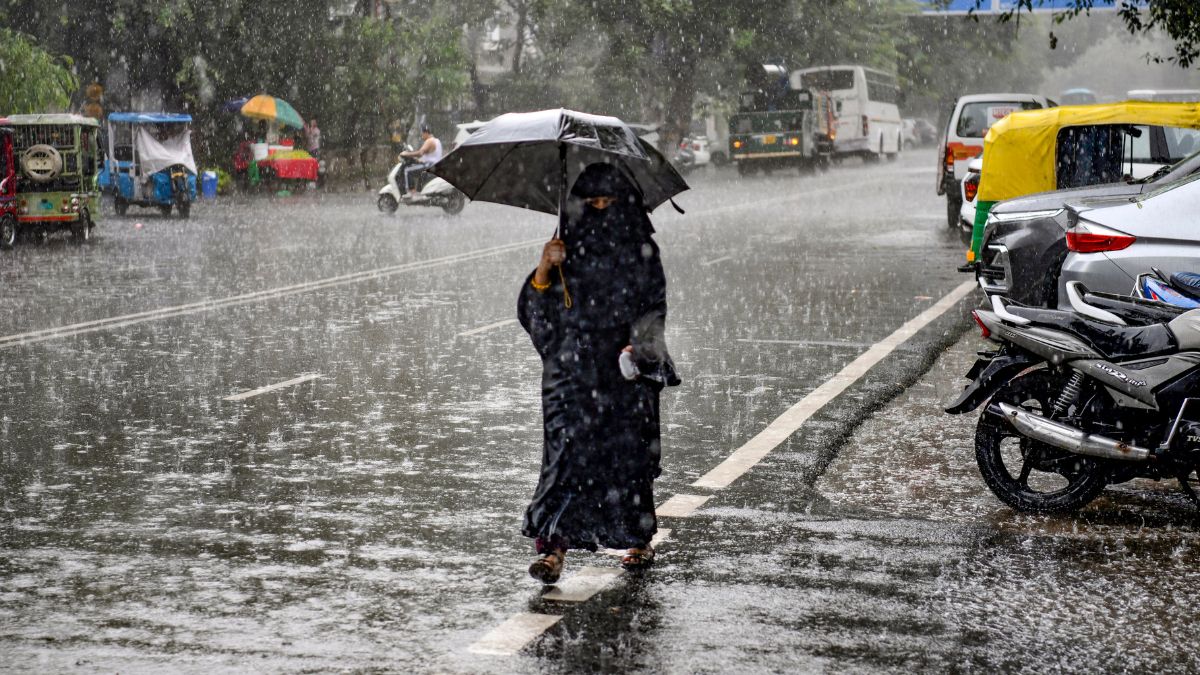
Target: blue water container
{"x":208,"y":185}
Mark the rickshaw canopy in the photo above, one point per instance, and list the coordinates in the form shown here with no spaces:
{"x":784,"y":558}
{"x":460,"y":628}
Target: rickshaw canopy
{"x":50,"y":118}
{"x":149,"y":118}
{"x":1019,"y":151}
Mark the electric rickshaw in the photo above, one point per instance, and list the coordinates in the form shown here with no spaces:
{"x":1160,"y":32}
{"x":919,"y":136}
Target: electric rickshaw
{"x":1032,"y":151}
{"x":150,"y":162}
{"x":49,"y":174}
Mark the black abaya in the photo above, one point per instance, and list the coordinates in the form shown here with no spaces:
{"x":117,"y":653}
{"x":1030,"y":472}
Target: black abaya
{"x":601,"y":432}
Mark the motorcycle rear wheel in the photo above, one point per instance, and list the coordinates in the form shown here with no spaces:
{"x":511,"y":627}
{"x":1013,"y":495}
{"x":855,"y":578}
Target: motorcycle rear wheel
{"x":454,"y":203}
{"x":1026,"y":474}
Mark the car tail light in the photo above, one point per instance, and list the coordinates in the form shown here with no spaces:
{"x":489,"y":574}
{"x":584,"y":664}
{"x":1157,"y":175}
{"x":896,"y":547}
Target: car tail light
{"x":866,"y":125}
{"x":983,"y":329}
{"x":949,"y":160}
{"x":696,"y":147}
{"x":1086,"y":237}
{"x":971,"y":187}
{"x":683,"y":145}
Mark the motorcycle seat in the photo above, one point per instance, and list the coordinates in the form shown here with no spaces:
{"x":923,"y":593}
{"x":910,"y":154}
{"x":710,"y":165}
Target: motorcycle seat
{"x":1188,"y":283}
{"x":1111,"y":340}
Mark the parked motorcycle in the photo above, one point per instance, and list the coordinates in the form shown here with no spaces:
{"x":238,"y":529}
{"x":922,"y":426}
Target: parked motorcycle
{"x":1180,"y":289}
{"x":1074,"y":401}
{"x":433,"y":191}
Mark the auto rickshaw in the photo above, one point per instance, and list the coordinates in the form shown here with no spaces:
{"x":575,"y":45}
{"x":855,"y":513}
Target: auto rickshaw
{"x":150,"y":162}
{"x":53,"y":182}
{"x":1032,"y":151}
{"x":8,"y":189}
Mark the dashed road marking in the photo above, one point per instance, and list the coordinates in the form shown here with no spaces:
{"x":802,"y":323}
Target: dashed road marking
{"x":484,"y":329}
{"x":582,"y":585}
{"x":805,"y":343}
{"x":681,"y":506}
{"x":511,"y":636}
{"x":786,"y":424}
{"x":256,"y":296}
{"x":272,"y":387}
{"x":714,"y":261}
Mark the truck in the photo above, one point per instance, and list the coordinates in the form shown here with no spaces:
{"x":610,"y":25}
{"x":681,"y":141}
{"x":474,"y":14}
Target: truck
{"x":780,"y":127}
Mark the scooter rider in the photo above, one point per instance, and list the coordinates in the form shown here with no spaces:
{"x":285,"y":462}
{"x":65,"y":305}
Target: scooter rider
{"x":427,"y":155}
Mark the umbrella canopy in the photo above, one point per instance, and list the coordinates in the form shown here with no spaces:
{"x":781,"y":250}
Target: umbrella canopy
{"x":531,"y":159}
{"x":264,"y":107}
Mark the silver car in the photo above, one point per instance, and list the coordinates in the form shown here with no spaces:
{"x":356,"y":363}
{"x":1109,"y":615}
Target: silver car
{"x":1112,"y":241}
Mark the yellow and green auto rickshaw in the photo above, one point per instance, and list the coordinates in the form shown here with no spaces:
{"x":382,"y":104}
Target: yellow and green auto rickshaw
{"x":59,"y":157}
{"x":1032,"y":151}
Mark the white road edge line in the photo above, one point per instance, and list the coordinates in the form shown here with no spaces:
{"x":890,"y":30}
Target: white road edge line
{"x":484,"y":329}
{"x":511,"y":636}
{"x":255,"y":296}
{"x":754,"y":450}
{"x":272,"y":387}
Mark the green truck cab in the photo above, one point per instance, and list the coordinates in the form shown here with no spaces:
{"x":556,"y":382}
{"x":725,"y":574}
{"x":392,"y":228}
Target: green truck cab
{"x":794,"y":128}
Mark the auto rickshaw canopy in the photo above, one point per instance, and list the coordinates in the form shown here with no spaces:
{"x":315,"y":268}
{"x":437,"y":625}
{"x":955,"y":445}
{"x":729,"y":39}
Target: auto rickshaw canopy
{"x":1019,"y":151}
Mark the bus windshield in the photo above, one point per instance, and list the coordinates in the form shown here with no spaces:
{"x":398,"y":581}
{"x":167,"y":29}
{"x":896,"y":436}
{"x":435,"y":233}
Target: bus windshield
{"x":828,"y":80}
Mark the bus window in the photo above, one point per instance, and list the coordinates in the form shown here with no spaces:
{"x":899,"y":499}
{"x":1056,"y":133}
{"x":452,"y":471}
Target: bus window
{"x":828,"y":80}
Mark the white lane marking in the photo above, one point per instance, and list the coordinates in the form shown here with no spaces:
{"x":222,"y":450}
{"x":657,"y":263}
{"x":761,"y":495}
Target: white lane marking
{"x":714,"y":261}
{"x":805,"y":343}
{"x":681,"y":506}
{"x":484,"y":329}
{"x":582,"y":585}
{"x":272,"y":387}
{"x":786,"y":424}
{"x":663,"y":534}
{"x":511,"y":636}
{"x":256,"y":296}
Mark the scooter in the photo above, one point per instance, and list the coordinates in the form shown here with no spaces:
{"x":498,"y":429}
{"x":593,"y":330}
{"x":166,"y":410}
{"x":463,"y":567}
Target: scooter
{"x":433,"y":191}
{"x":1074,"y":401}
{"x":1181,"y":289}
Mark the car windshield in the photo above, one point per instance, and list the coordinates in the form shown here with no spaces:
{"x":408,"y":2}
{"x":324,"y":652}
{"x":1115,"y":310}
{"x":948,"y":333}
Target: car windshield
{"x":1192,"y":161}
{"x":1181,"y":142}
{"x":976,"y":118}
{"x":1168,"y":187}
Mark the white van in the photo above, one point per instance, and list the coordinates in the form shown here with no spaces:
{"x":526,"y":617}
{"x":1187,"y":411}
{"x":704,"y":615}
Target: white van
{"x":962,"y":139}
{"x":866,"y":100}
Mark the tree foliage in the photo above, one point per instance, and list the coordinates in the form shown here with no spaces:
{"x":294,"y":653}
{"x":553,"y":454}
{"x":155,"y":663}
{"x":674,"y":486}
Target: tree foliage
{"x":31,"y":79}
{"x":1179,"y":19}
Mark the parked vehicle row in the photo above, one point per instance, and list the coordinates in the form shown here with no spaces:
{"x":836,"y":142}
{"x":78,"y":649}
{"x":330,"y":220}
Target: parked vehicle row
{"x":1086,"y":245}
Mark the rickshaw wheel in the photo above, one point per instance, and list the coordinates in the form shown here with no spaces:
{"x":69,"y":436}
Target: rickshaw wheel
{"x":165,"y":209}
{"x":81,"y":229}
{"x":185,"y":209}
{"x":121,"y":206}
{"x":8,"y":232}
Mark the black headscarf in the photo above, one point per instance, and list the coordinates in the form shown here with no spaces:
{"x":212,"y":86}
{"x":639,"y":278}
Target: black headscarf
{"x":613,"y":269}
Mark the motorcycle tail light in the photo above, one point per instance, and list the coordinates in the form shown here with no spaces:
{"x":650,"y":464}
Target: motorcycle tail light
{"x":983,"y":329}
{"x":1085,"y":237}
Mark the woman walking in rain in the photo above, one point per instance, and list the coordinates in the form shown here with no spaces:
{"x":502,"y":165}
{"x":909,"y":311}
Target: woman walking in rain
{"x":595,"y":309}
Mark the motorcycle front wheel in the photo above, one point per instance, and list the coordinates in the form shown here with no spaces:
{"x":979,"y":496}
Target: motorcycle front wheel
{"x":1029,"y":475}
{"x":387,"y":204}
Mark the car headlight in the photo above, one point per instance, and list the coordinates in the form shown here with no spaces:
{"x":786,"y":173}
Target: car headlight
{"x":1022,"y":215}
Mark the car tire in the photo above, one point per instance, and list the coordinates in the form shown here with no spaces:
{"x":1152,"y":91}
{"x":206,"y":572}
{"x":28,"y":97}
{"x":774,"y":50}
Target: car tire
{"x":719,"y":159}
{"x":953,"y":208}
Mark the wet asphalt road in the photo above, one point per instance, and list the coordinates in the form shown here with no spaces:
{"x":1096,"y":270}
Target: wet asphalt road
{"x":367,"y":519}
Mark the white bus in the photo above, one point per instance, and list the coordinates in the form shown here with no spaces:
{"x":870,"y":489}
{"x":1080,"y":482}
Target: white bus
{"x":868,"y":118}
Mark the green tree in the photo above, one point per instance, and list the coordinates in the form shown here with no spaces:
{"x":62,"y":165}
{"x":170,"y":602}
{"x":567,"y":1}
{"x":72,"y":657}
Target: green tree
{"x":1179,"y":19}
{"x":31,"y":79}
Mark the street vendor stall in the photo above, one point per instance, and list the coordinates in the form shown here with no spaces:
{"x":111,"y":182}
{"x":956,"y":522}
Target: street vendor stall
{"x":276,"y":165}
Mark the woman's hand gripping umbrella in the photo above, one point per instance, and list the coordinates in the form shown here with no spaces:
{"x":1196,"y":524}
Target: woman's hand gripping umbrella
{"x":604,"y":359}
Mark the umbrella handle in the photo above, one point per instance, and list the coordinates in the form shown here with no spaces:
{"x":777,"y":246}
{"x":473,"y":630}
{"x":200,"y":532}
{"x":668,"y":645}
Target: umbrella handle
{"x":567,"y":301}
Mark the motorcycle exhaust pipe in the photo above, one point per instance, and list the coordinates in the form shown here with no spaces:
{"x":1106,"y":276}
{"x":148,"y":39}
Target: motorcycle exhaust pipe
{"x":1067,"y":437}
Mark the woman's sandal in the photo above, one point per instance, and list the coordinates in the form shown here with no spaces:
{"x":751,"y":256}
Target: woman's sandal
{"x":548,"y":567}
{"x":638,"y":558}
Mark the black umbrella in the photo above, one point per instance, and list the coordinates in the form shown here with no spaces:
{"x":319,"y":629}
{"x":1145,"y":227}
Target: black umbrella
{"x":531,"y":159}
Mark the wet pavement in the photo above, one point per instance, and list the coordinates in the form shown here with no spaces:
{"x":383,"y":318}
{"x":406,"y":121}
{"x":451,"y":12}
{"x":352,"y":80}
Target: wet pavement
{"x":366,"y":516}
